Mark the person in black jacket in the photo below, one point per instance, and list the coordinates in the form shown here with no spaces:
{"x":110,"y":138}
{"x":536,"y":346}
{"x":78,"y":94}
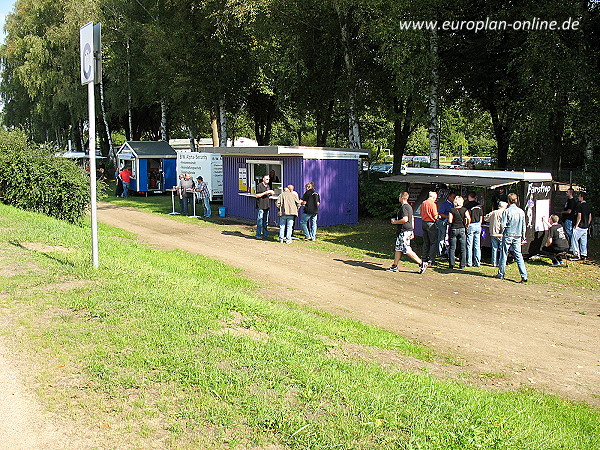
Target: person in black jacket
{"x":474,"y":230}
{"x":459,"y":219}
{"x":311,"y":201}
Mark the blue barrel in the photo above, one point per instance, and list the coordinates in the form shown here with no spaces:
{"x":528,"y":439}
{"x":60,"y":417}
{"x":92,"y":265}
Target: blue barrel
{"x":222,"y":211}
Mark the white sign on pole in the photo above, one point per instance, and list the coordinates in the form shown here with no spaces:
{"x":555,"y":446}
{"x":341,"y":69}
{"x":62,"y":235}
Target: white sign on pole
{"x":86,"y":41}
{"x":89,"y":55}
{"x":98,"y":53}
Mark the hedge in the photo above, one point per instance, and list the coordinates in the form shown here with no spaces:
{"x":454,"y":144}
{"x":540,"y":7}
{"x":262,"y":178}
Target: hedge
{"x":32,"y":178}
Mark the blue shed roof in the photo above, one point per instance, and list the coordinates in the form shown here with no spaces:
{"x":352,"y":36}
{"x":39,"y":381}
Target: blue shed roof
{"x":148,"y":149}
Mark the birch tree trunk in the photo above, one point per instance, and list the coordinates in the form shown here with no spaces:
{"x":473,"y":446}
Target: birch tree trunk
{"x":353,"y":122}
{"x":81,"y":126}
{"x":434,"y":137}
{"x":222,"y":124}
{"x":106,"y":127}
{"x":214,"y":126}
{"x":163,"y":120}
{"x":192,"y":142}
{"x":129,"y":112}
{"x":589,"y":146}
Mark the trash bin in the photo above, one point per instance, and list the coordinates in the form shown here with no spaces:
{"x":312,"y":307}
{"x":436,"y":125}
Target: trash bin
{"x":222,"y":211}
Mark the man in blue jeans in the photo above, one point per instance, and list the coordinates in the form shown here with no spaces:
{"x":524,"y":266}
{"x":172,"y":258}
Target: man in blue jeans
{"x":263,"y":192}
{"x":311,"y":201}
{"x":569,"y":213}
{"x":513,"y":236}
{"x":204,"y":194}
{"x":474,"y":230}
{"x":580,"y":231}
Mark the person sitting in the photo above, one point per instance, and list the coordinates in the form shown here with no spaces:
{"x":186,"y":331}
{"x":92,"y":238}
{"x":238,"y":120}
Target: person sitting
{"x":557,"y":242}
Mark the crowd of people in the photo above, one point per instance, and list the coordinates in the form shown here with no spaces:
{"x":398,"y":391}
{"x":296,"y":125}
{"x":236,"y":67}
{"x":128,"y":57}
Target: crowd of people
{"x":288,"y":206}
{"x":454,"y":229}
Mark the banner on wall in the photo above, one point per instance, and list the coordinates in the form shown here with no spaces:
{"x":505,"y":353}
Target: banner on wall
{"x":207,"y":165}
{"x":242,"y":179}
{"x":536,"y":204}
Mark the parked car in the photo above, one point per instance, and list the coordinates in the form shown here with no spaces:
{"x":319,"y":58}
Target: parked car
{"x":384,"y":168}
{"x":421,"y":159}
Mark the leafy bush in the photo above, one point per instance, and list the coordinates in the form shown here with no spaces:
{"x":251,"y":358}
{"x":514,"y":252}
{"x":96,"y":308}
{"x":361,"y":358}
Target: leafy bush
{"x":378,"y":198}
{"x":32,"y":178}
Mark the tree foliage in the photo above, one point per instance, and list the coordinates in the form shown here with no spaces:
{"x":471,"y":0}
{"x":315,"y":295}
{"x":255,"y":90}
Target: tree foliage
{"x":317,"y":72}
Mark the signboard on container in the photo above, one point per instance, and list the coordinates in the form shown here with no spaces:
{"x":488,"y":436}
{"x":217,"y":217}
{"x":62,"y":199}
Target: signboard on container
{"x":207,"y":165}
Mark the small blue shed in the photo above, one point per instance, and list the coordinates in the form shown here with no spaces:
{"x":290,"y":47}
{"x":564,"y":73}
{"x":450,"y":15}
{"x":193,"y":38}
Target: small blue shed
{"x":153,"y":165}
{"x":334,"y":172}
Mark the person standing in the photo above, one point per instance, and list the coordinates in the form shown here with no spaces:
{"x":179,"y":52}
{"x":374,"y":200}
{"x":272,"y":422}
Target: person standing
{"x":429,"y":216}
{"x":458,"y":218}
{"x":442,"y":222}
{"x":119,"y":183}
{"x":288,"y":204}
{"x":263,"y":192}
{"x":494,"y":218}
{"x":582,"y":225}
{"x":569,"y":213}
{"x":273,"y":178}
{"x":404,"y":222}
{"x":499,"y":196}
{"x":204,"y":194}
{"x":311,"y":201}
{"x":513,"y":236}
{"x":186,"y":193}
{"x":474,"y":230}
{"x":125,"y":177}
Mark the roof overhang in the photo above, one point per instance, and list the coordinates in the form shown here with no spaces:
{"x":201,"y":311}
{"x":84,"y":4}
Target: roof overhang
{"x":76,"y":155}
{"x":476,"y":178}
{"x":304,"y":152}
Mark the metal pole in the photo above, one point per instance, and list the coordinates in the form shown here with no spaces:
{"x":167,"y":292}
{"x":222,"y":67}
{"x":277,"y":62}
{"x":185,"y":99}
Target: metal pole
{"x":92,"y":155}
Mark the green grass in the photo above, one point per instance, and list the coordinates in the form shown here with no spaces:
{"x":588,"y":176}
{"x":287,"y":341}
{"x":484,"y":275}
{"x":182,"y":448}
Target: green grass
{"x":172,"y":348}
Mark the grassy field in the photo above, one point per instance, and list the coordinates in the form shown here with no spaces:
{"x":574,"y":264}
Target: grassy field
{"x":375,"y":238}
{"x":167,"y":349}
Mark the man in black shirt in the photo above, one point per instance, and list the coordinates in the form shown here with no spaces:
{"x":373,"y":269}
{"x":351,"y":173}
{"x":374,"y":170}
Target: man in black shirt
{"x":580,"y":232}
{"x":263,"y":192}
{"x":404,"y":222}
{"x":311,"y":201}
{"x":569,"y":213}
{"x":556,"y":242}
{"x":499,"y":196}
{"x":474,"y":230}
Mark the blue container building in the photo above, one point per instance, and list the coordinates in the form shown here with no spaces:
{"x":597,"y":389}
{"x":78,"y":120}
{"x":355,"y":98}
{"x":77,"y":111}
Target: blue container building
{"x":153,"y":165}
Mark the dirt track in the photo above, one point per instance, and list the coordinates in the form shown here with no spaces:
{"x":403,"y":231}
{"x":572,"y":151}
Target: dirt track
{"x":533,"y":334}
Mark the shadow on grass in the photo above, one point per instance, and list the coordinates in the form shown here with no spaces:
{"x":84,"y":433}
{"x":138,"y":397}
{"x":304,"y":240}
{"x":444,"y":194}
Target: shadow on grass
{"x":53,"y":258}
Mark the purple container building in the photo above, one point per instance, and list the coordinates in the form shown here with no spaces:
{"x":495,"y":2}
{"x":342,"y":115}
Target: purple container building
{"x":334,"y":172}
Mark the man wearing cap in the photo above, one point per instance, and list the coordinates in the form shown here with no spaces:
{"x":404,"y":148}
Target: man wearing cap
{"x":204,"y":194}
